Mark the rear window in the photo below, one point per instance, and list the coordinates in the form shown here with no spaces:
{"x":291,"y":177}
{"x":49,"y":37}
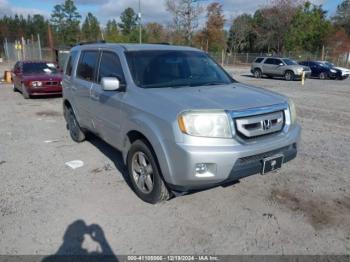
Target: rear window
{"x":258,"y":60}
{"x":87,"y":65}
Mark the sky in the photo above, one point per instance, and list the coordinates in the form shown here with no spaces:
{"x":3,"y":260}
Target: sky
{"x":152,"y":10}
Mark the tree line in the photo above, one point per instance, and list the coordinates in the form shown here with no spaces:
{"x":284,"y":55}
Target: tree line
{"x":280,"y":26}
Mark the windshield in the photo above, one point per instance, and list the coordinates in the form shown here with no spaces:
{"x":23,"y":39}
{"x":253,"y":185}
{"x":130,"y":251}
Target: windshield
{"x":157,"y":69}
{"x":329,"y":64}
{"x":39,"y":68}
{"x":290,"y":62}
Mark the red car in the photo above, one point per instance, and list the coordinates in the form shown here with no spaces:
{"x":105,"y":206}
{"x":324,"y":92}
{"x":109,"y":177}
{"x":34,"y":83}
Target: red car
{"x":37,"y":78}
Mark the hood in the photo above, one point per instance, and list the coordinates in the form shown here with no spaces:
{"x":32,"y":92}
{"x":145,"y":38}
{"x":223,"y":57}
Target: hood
{"x":42,"y":77}
{"x":342,"y":69}
{"x":235,"y":96}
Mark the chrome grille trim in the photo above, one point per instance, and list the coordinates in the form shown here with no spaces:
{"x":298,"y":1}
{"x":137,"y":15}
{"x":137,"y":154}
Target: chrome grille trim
{"x":259,"y":125}
{"x":255,"y":122}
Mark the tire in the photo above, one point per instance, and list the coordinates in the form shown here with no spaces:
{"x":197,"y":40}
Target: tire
{"x":257,"y":73}
{"x":289,"y":75}
{"x":25,"y":93}
{"x":74,"y":129}
{"x":145,"y":174}
{"x":14,"y":88}
{"x":322,"y":76}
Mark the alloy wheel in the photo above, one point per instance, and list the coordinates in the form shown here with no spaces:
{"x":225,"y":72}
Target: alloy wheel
{"x":142,"y":172}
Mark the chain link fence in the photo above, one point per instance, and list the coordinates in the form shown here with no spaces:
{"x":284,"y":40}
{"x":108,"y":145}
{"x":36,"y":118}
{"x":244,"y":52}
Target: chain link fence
{"x":246,"y":59}
{"x":26,"y":50}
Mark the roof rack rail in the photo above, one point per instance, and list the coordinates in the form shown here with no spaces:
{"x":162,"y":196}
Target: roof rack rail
{"x":92,"y":42}
{"x":161,"y":43}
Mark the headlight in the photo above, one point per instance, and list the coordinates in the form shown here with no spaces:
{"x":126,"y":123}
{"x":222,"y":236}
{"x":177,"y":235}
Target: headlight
{"x":292,"y":111}
{"x":333,"y":71}
{"x":205,"y":124}
{"x":36,"y":84}
{"x":300,"y":70}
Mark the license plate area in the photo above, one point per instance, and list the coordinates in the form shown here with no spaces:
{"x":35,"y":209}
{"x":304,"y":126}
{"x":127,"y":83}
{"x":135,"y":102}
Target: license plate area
{"x":272,"y":163}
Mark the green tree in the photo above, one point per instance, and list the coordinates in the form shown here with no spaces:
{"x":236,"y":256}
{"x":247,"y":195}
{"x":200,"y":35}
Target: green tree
{"x":342,"y":17}
{"x":241,"y":35}
{"x":111,"y":31}
{"x":65,"y":20}
{"x":154,"y":33}
{"x":308,"y":30}
{"x":128,"y":21}
{"x":215,"y":27}
{"x":91,"y":28}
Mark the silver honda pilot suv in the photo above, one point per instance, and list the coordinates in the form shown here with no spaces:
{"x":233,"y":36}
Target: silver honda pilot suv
{"x":181,"y":122}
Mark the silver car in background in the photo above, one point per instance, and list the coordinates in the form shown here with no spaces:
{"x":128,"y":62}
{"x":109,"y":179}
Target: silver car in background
{"x":278,"y":67}
{"x":181,"y":122}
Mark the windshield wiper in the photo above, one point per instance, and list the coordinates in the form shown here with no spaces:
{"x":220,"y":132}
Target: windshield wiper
{"x":210,"y":84}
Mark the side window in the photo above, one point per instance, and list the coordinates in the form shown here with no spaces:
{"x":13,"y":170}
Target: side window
{"x":278,"y":61}
{"x":70,"y":63}
{"x":87,"y":65}
{"x":110,"y":66}
{"x":269,"y":61}
{"x":258,"y":60}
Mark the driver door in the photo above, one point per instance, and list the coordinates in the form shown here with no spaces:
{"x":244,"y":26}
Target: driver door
{"x":106,"y":106}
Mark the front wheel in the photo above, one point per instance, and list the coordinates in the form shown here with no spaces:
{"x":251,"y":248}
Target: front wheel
{"x":289,"y":76}
{"x":145,"y":174}
{"x":25,"y":93}
{"x":74,"y":129}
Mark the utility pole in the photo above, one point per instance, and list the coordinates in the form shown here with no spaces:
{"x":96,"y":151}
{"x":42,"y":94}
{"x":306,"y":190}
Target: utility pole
{"x":140,"y":22}
{"x":39,"y":47}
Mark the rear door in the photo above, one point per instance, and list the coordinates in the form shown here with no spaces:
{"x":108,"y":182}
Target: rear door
{"x":82,"y":83}
{"x":269,"y":66}
{"x":106,"y":106}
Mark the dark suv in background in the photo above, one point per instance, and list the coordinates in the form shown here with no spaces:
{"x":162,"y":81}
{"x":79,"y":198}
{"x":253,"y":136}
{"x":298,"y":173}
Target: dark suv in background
{"x":322,"y":70}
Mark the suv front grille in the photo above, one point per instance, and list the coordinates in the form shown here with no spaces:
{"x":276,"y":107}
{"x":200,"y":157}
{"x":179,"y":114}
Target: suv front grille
{"x":259,"y":125}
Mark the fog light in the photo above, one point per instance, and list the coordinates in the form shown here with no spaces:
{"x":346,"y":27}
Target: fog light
{"x":201,"y":168}
{"x":205,"y":170}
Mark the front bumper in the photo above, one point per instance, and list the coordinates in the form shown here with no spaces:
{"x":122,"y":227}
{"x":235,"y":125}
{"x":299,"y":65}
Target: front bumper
{"x":307,"y":74}
{"x":230,"y":163}
{"x":44,"y":91}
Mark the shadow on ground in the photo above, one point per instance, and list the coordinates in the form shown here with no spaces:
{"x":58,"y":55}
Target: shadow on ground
{"x":72,"y":247}
{"x":113,"y":154}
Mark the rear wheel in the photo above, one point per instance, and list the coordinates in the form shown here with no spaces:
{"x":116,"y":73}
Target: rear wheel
{"x":145,"y":174}
{"x":74,"y":129}
{"x":289,"y":76}
{"x":257,"y":73}
{"x":323,"y":76}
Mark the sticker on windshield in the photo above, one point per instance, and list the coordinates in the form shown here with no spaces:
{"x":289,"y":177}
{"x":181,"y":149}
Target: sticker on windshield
{"x":51,"y":65}
{"x":46,"y":70}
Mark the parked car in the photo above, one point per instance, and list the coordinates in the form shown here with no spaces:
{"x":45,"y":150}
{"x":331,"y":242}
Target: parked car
{"x":344,"y":71}
{"x":322,"y":70}
{"x":181,"y":122}
{"x":37,"y":78}
{"x":278,"y":67}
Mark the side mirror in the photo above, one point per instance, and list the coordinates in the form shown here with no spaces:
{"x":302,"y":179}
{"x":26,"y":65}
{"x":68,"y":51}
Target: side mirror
{"x":111,"y":84}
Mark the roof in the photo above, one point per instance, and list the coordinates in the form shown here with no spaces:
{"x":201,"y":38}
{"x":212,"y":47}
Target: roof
{"x":137,"y":47}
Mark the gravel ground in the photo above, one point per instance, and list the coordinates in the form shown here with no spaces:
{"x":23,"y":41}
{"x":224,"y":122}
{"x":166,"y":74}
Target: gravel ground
{"x":302,"y":209}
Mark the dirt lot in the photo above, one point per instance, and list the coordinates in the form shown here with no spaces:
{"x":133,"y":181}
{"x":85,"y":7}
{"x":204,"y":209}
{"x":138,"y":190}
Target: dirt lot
{"x":302,"y":209}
